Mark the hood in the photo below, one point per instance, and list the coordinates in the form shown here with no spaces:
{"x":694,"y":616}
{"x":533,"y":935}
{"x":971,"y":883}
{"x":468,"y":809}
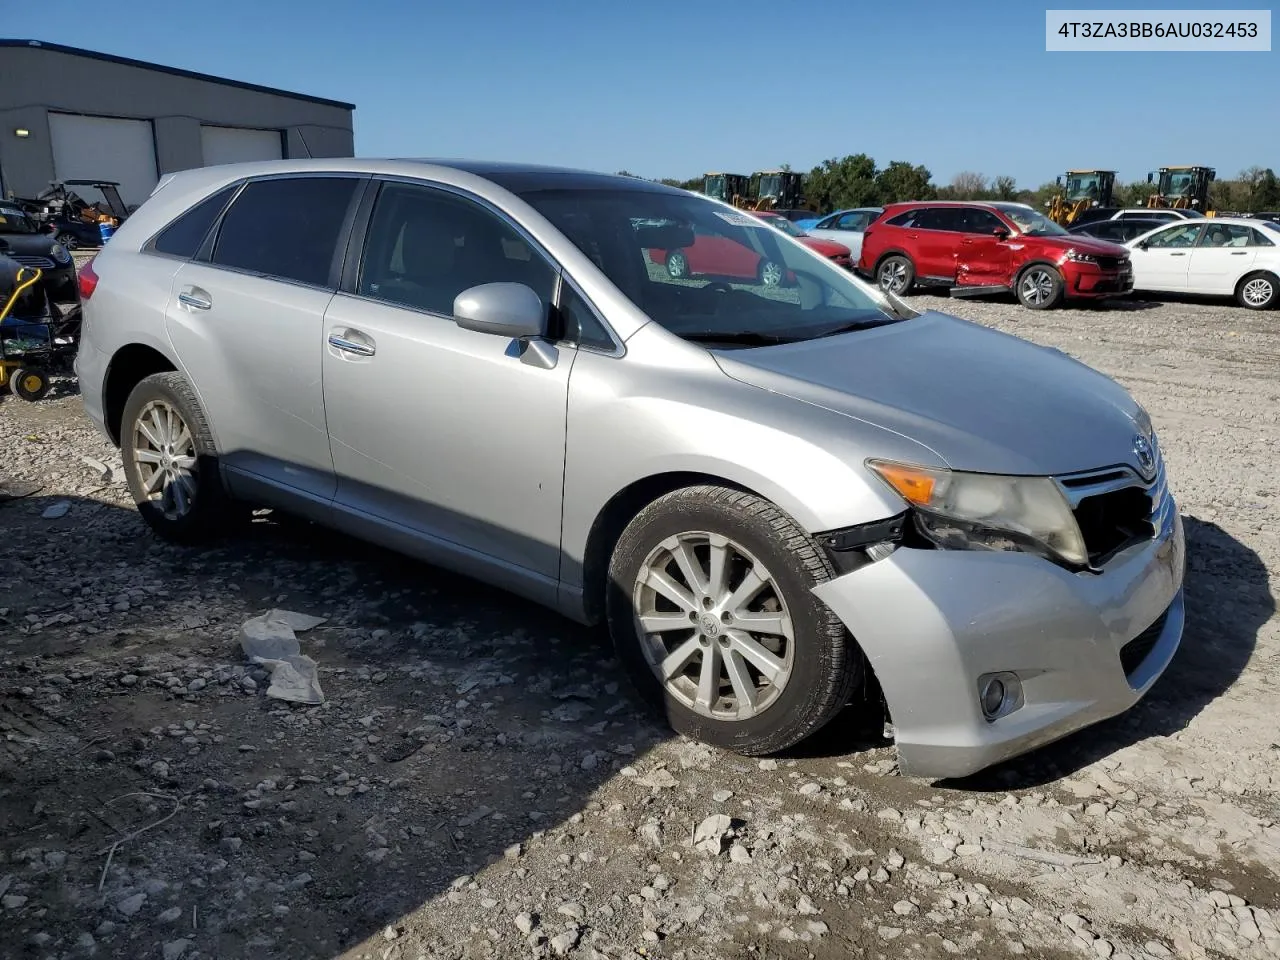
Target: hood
{"x":981,"y":400}
{"x":26,"y":244}
{"x":1081,"y":242}
{"x":828,"y":248}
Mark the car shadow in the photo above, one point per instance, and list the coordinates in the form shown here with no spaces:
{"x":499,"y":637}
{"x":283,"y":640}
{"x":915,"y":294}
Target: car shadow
{"x":460,"y":722}
{"x":1228,"y":601}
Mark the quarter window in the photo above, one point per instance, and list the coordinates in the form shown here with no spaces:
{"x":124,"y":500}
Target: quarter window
{"x":287,"y":228}
{"x":425,"y":246}
{"x":579,"y":322}
{"x":184,"y":236}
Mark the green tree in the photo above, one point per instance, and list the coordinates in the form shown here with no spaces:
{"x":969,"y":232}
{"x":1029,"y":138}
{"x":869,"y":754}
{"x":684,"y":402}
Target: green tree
{"x":901,"y":181}
{"x":1006,"y":188}
{"x":1266,"y":193}
{"x":843,"y":182}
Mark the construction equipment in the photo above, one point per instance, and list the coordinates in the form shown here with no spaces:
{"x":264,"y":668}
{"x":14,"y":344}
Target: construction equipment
{"x":1083,"y":190}
{"x":779,"y":189}
{"x":1182,"y":188}
{"x":729,"y":187}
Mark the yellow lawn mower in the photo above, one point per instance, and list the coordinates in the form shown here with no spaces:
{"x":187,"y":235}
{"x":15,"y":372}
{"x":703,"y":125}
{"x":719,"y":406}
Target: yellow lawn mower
{"x":37,"y":340}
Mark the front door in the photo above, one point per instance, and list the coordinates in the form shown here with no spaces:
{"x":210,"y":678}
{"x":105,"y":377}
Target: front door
{"x":1163,"y":262}
{"x":441,"y":432}
{"x":247,"y":322}
{"x":1224,"y":255}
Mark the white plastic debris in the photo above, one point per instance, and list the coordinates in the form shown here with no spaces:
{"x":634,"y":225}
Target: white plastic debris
{"x":56,"y":510}
{"x":271,"y":641}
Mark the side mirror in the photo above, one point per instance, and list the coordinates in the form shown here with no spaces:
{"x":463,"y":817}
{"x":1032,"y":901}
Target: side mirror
{"x":509,"y":310}
{"x":1000,"y":233}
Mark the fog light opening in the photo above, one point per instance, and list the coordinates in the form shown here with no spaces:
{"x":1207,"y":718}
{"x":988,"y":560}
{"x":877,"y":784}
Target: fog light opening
{"x":999,"y":694}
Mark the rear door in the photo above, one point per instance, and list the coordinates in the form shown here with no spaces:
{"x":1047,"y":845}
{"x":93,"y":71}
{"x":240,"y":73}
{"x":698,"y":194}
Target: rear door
{"x":935,"y":241}
{"x":1162,"y":263}
{"x":246,"y":319}
{"x":984,"y":260}
{"x":1225,"y":253}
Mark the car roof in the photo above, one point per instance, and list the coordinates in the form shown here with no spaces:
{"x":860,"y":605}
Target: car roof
{"x":515,"y":177}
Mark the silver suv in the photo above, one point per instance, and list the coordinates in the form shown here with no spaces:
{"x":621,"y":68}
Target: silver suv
{"x":767,"y":478}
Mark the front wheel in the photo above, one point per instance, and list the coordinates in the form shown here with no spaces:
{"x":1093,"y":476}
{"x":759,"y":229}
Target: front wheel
{"x":1040,"y":287}
{"x":1258,"y":291}
{"x":677,"y":265}
{"x":711,"y":611}
{"x":170,"y":460}
{"x":28,"y":384}
{"x":769,"y":273}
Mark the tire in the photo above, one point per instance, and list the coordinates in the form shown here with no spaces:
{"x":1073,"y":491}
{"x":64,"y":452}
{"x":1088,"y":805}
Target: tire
{"x":192,"y":504}
{"x":820,"y":663}
{"x":1039,"y":287}
{"x":30,"y":385}
{"x":68,"y":240}
{"x":677,"y":265}
{"x":896,"y":274}
{"x":1258,"y":291}
{"x":769,"y":273}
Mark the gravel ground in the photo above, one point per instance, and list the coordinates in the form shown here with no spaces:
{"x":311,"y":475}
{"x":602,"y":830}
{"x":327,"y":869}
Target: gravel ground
{"x":479,"y":784}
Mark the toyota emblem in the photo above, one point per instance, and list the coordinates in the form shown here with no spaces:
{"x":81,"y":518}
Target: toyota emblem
{"x":1142,"y":449}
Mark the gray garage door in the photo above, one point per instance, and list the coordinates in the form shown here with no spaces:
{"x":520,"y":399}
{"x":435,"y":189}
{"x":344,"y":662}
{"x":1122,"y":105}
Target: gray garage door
{"x":105,"y":148}
{"x":239,"y":144}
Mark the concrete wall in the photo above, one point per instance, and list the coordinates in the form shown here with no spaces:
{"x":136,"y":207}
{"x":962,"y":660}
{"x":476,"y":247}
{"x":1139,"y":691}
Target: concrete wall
{"x":38,"y":80}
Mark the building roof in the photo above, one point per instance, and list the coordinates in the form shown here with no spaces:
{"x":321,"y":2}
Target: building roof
{"x":172,"y":71}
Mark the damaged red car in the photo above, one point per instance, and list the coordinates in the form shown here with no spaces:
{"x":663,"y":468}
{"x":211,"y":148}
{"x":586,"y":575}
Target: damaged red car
{"x":986,"y":248}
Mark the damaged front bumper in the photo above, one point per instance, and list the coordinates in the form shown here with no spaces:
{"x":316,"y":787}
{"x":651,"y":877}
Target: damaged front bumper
{"x":1082,"y":646}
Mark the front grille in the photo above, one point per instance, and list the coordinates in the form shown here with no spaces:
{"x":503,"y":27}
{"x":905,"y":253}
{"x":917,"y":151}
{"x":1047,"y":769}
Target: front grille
{"x":1113,"y":263}
{"x":1134,"y":653}
{"x":1116,"y":508}
{"x":42,"y":263}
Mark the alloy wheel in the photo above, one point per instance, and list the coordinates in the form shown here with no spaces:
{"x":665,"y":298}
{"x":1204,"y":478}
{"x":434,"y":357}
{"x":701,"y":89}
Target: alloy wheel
{"x":1036,"y":286}
{"x":893,"y":276}
{"x":714,"y":626}
{"x":770,"y":273}
{"x":1258,"y":292}
{"x":164,"y":456}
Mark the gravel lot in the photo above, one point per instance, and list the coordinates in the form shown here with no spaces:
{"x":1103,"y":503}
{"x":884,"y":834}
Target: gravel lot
{"x":479,"y":784}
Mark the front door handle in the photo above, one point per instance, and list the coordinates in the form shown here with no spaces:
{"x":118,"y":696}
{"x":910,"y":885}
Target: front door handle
{"x":1177,"y":254}
{"x":195,"y":299}
{"x":351,"y":346}
{"x":1239,"y":253}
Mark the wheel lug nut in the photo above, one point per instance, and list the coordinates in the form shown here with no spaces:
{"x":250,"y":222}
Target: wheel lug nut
{"x":702,"y":639}
{"x":693,"y":616}
{"x":708,"y":603}
{"x":726,"y":617}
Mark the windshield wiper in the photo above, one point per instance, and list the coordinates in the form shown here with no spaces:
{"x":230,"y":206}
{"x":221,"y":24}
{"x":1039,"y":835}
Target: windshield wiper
{"x":857,"y":325}
{"x":743,"y":338}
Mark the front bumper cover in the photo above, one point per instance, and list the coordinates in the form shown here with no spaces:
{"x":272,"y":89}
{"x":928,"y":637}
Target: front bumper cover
{"x":931,"y":622}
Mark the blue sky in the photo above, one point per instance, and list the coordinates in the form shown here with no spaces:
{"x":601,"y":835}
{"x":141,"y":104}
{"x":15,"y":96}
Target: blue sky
{"x":666,"y":88}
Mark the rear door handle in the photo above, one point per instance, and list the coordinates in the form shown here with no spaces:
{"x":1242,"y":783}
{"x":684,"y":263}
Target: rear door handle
{"x":351,"y":346}
{"x":195,"y":299}
{"x":1177,"y":254}
{"x":1239,"y":253}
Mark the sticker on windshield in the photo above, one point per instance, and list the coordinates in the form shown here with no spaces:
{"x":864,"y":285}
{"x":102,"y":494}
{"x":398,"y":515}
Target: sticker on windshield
{"x":740,"y":219}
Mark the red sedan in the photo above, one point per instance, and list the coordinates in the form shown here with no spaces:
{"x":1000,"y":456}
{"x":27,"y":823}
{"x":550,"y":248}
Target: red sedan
{"x":837,"y":253}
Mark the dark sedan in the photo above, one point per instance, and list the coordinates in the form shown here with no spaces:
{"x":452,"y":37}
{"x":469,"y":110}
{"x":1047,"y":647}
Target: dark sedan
{"x":1118,"y":231}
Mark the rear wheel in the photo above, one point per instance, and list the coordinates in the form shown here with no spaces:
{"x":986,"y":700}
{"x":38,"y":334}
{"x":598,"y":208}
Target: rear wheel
{"x":68,"y":240}
{"x":711,"y":611}
{"x":896,"y":275}
{"x":29,"y":384}
{"x":769,"y":273}
{"x":170,"y":461}
{"x":1040,"y":287}
{"x":1258,"y":291}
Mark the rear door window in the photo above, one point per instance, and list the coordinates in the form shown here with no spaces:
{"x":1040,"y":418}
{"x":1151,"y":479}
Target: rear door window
{"x":288,"y":228}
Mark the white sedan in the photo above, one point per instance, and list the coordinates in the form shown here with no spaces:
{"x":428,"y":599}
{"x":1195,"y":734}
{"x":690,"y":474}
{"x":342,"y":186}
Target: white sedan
{"x":1217,"y":256}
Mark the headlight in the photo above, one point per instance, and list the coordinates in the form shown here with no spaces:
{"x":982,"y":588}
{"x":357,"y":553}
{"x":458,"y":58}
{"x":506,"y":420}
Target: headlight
{"x":60,"y":254}
{"x":1079,"y":257}
{"x":977,"y":511}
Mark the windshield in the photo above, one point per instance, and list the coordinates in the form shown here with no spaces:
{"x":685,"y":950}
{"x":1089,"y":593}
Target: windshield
{"x":13,"y":220}
{"x":1030,"y":222}
{"x":709,"y":273}
{"x":771,"y":186}
{"x":714,"y":187}
{"x":1083,"y":186}
{"x":1179,"y":184}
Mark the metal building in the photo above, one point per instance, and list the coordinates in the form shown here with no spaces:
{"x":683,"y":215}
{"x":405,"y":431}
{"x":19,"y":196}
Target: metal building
{"x":67,"y":113}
